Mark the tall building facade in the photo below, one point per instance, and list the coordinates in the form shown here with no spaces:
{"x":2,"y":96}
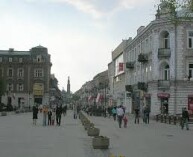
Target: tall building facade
{"x":26,"y":75}
{"x":158,"y":63}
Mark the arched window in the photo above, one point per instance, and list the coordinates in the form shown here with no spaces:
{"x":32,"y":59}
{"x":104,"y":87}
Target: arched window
{"x":164,"y":40}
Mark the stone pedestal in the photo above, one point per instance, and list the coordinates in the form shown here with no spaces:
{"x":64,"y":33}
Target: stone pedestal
{"x":100,"y":142}
{"x":92,"y":131}
{"x":3,"y":113}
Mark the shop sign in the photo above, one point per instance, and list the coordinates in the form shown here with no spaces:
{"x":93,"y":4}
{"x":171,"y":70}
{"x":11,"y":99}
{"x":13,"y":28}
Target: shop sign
{"x":163,"y":95}
{"x":38,"y":89}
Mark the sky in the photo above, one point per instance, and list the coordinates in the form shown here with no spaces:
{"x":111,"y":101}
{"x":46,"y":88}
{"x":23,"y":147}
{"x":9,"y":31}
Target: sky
{"x":80,"y":34}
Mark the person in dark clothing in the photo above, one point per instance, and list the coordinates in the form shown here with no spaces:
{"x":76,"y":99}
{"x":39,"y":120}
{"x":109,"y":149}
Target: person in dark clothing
{"x":58,"y":115}
{"x":35,"y":114}
{"x":137,"y":115}
{"x":50,"y":117}
{"x":185,"y":119}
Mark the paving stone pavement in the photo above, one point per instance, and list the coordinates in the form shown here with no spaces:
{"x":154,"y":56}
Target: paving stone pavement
{"x":19,"y":138}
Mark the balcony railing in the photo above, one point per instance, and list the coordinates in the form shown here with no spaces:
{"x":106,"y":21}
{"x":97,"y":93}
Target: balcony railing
{"x":130,"y":65}
{"x":142,"y":86}
{"x":164,"y":52}
{"x":163,"y":84}
{"x":142,"y":57}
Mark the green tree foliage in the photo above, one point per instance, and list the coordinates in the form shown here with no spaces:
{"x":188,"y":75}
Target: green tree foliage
{"x":174,"y":6}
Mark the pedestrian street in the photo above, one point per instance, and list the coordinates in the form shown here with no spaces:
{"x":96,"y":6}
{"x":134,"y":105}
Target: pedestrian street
{"x":19,"y":138}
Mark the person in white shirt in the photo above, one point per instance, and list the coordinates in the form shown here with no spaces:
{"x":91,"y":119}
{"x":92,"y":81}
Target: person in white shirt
{"x":120,"y":114}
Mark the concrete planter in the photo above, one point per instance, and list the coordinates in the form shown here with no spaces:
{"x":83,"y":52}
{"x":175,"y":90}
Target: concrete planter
{"x":92,"y":131}
{"x":17,"y":112}
{"x":100,"y":142}
{"x":3,"y":113}
{"x":88,"y":125}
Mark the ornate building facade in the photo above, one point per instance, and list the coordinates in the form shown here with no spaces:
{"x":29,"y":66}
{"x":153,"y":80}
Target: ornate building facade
{"x":158,"y":63}
{"x":26,"y":75}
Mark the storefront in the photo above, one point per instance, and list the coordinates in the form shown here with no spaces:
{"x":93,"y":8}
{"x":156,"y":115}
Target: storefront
{"x":164,"y":100}
{"x":38,"y":92}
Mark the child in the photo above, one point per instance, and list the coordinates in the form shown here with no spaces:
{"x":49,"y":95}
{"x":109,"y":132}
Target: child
{"x":53,"y":117}
{"x":125,"y":120}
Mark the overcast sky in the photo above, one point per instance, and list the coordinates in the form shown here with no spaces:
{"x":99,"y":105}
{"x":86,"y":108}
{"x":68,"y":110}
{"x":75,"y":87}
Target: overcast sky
{"x":79,"y":34}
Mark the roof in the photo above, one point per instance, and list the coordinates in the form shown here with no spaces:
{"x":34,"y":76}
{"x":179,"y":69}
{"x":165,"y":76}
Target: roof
{"x":7,"y":52}
{"x":39,"y":47}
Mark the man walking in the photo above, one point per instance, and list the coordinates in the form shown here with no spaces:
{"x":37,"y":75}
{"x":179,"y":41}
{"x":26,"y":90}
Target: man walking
{"x":58,"y":114}
{"x":120,"y":114}
{"x":137,"y":115}
{"x":185,"y":118}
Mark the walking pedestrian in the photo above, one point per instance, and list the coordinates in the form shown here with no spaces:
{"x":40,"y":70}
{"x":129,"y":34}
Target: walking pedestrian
{"x":137,"y":115}
{"x":147,"y":111}
{"x":53,"y":116}
{"x":114,"y":112}
{"x":125,"y":120}
{"x":58,"y":114}
{"x":45,"y":114}
{"x":35,"y":114}
{"x":75,"y":111}
{"x":120,"y":114}
{"x":185,"y":119}
{"x":49,"y":117}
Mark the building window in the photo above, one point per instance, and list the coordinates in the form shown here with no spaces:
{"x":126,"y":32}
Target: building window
{"x":39,"y":58}
{"x":20,"y":72}
{"x":190,"y":39}
{"x":10,"y":72}
{"x":20,"y":87}
{"x":166,"y":72}
{"x":165,"y":40}
{"x":10,"y":59}
{"x":20,"y":60}
{"x":190,"y":71}
{"x":10,"y":87}
{"x":119,"y":66}
{"x":38,"y":73}
{"x":1,"y":59}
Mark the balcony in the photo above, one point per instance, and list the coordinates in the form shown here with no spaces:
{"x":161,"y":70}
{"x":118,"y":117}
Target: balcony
{"x":164,"y":52}
{"x":142,"y":58}
{"x":130,"y":65}
{"x":128,"y":88}
{"x":163,"y":84}
{"x":142,"y":86}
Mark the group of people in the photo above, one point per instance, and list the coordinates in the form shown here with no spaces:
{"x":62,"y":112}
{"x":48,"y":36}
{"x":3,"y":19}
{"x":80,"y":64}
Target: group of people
{"x":49,"y":115}
{"x":119,"y":114}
